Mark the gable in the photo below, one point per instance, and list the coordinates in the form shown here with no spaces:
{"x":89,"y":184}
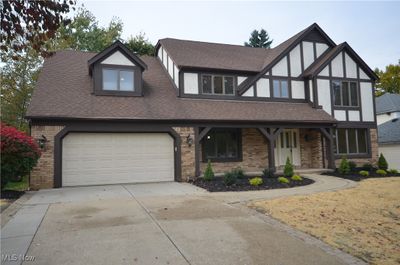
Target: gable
{"x":117,"y":58}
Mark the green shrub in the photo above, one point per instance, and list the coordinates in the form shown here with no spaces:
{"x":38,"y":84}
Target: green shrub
{"x":382,"y":163}
{"x":296,"y":178}
{"x":364,"y":173}
{"x":393,"y":171}
{"x":229,"y":178}
{"x":257,"y":181}
{"x":209,"y":173}
{"x":283,"y":180}
{"x":344,"y":167}
{"x":368,"y":167}
{"x":238,"y":172}
{"x":288,"y":170}
{"x":267,"y":173}
{"x":19,"y":154}
{"x":352,"y":166}
{"x":381,"y":172}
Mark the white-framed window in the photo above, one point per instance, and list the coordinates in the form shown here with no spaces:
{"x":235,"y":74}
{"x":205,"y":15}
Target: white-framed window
{"x":217,"y":84}
{"x":280,"y":88}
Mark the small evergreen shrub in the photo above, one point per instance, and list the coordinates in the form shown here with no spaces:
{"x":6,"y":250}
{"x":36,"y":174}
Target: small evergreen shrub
{"x":209,"y":173}
{"x":344,"y":167}
{"x":283,"y":180}
{"x":229,"y":178}
{"x":393,"y":171}
{"x":368,"y":167}
{"x":238,"y":172}
{"x":352,"y":166}
{"x":296,"y":178}
{"x":267,"y":173}
{"x":288,"y":170}
{"x":381,"y":172}
{"x":364,"y":173}
{"x":382,"y":163}
{"x":257,"y":181}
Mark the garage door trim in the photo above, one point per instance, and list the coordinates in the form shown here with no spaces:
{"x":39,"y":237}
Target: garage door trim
{"x":113,"y":128}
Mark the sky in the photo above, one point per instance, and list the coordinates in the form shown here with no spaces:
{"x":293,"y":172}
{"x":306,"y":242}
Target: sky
{"x":371,"y":28}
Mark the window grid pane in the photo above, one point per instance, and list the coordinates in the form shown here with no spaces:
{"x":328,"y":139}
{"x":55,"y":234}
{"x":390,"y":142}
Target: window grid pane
{"x":345,"y":94}
{"x":207,"y":85}
{"x":110,"y":79}
{"x":342,"y":141}
{"x":353,"y":94}
{"x":126,"y":81}
{"x":277,"y":89}
{"x":362,"y":141}
{"x":228,"y":85}
{"x":337,"y":93}
{"x":218,"y":87}
{"x":284,"y":89}
{"x":352,"y":141}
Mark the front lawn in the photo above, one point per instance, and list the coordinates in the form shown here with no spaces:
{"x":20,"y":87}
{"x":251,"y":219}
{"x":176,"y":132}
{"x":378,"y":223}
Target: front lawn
{"x":363,"y":221}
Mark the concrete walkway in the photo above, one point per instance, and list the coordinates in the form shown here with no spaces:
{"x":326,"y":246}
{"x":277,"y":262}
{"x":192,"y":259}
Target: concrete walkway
{"x":160,"y":223}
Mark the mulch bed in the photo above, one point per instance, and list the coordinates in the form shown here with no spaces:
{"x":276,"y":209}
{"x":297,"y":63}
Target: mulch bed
{"x":11,"y":194}
{"x":217,"y":184}
{"x":357,"y":177}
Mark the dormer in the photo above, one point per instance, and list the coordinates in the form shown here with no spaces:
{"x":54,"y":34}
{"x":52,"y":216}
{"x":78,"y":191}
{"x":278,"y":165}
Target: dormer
{"x":117,"y":71}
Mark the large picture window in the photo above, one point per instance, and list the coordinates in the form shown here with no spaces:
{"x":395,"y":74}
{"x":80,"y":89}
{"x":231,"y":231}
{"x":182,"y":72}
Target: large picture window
{"x":115,"y":79}
{"x":281,"y":89}
{"x":351,"y":141}
{"x":217,"y":84}
{"x":345,"y":93}
{"x":222,"y":145}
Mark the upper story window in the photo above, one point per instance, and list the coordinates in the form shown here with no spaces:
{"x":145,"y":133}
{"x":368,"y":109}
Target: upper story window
{"x":345,"y":93}
{"x":217,"y":84}
{"x":118,"y":79}
{"x":280,"y":89}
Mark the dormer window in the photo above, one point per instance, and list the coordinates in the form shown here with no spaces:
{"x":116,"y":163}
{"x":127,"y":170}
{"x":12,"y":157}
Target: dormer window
{"x":117,"y":71}
{"x":118,"y":79}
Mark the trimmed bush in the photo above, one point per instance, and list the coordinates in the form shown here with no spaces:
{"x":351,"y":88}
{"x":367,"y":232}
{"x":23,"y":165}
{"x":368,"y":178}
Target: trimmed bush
{"x":288,"y":170}
{"x":368,"y":167}
{"x":229,"y":178}
{"x":393,"y":171}
{"x":382,"y":163}
{"x":296,"y":178}
{"x":267,"y":173}
{"x":364,"y":173}
{"x":381,"y":172}
{"x":209,"y":173}
{"x":344,"y":167}
{"x":257,"y":181}
{"x":352,"y":166}
{"x":238,"y":172}
{"x":283,"y":180}
{"x":19,"y":154}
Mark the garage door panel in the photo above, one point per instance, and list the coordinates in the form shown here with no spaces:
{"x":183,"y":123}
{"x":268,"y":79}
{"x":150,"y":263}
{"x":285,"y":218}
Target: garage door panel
{"x":109,"y":158}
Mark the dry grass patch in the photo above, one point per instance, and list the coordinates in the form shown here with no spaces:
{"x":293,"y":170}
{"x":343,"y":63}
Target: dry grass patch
{"x":363,"y":221}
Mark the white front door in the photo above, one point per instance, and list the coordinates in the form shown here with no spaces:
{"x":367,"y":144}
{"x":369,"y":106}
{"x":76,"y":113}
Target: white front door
{"x":287,"y":145}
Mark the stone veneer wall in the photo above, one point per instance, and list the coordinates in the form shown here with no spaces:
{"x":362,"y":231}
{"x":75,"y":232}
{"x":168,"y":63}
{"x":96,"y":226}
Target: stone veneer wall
{"x":374,"y":152}
{"x":255,"y":154}
{"x":187,"y":153}
{"x":42,"y":176}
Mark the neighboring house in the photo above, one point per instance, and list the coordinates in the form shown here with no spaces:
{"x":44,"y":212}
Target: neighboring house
{"x":387,"y":107}
{"x":388,"y":115}
{"x":112,"y":117}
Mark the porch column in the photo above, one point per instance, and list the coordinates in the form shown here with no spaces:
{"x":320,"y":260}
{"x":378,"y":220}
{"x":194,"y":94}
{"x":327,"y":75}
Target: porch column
{"x":327,"y":133}
{"x":271,"y":134}
{"x":198,"y":135}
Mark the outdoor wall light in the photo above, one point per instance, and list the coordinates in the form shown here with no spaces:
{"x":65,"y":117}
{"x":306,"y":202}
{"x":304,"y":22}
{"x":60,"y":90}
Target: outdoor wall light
{"x":189,"y":140}
{"x":42,"y":141}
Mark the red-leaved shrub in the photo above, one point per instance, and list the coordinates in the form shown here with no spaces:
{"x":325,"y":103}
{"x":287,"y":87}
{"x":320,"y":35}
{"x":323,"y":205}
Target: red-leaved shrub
{"x":19,"y":153}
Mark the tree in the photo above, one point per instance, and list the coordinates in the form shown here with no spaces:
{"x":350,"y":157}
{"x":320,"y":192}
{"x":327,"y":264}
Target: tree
{"x":389,"y":80}
{"x":18,"y":79}
{"x":140,"y":45}
{"x":259,"y":39}
{"x":31,"y":23}
{"x":85,"y":34}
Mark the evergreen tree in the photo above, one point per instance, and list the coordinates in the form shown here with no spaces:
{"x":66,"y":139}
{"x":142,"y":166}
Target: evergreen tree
{"x":259,"y":39}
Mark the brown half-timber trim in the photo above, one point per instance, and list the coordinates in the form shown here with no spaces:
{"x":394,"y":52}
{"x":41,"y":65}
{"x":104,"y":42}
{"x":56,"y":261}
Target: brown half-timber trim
{"x":102,"y":127}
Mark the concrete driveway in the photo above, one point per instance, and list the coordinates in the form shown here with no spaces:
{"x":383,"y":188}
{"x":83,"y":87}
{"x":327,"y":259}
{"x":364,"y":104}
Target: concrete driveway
{"x":161,"y":223}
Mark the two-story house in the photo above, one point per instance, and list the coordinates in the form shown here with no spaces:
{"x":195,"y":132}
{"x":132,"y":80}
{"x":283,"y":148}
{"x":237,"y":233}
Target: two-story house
{"x":114,"y":117}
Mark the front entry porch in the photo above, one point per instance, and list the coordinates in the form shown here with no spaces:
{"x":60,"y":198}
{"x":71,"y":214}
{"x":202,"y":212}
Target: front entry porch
{"x":260,"y":148}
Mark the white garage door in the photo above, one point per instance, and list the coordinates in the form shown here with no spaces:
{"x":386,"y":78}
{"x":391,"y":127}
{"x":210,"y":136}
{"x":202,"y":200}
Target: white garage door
{"x":110,"y":158}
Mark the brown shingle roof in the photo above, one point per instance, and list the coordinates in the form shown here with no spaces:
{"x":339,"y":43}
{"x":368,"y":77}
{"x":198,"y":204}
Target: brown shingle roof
{"x":64,"y":90}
